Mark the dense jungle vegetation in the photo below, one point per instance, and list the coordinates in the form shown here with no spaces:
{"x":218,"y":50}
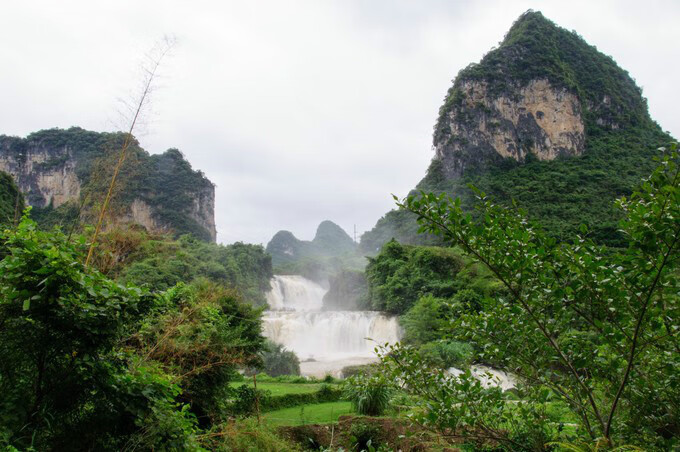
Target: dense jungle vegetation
{"x":91,"y":364}
{"x":159,"y":262}
{"x":590,"y":326}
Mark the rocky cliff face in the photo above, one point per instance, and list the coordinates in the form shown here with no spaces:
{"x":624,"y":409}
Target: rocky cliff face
{"x":540,"y":93}
{"x":55,"y":168}
{"x":45,"y":176}
{"x":537,"y":118}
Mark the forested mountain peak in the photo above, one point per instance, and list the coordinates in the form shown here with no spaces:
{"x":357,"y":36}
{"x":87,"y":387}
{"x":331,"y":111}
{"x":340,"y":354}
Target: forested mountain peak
{"x":546,"y":120}
{"x":544,"y":91}
{"x":330,"y":240}
{"x":331,"y":237}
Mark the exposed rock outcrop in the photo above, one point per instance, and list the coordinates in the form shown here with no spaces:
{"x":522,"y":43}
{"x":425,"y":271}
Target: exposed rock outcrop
{"x":45,"y":175}
{"x":160,"y":192}
{"x":536,"y":118}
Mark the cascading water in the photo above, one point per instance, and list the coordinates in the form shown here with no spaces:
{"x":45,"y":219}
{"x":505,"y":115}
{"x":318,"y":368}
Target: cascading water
{"x":325,"y":341}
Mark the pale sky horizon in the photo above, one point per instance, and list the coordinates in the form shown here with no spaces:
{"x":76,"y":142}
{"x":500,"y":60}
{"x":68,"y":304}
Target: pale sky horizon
{"x":299,"y":111}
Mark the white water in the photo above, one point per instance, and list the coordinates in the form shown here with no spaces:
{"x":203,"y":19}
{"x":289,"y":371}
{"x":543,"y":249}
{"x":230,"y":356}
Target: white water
{"x":325,"y":341}
{"x":489,"y":377}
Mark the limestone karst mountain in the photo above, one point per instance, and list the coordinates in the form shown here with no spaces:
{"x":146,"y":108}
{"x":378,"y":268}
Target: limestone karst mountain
{"x":546,"y":120}
{"x":329,"y":241}
{"x":58,"y":170}
{"x":319,"y":259}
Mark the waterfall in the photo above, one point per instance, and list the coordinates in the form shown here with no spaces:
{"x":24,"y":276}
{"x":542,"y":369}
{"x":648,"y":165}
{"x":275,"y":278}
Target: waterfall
{"x":325,"y":341}
{"x":293,"y":292}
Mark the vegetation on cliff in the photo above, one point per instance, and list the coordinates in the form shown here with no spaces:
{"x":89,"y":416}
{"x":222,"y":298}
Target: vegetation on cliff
{"x":164,"y":182}
{"x":621,"y":140}
{"x":11,"y":200}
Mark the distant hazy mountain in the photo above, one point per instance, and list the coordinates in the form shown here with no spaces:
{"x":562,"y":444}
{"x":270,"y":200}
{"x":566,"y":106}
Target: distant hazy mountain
{"x":331,"y":250}
{"x":330,"y":241}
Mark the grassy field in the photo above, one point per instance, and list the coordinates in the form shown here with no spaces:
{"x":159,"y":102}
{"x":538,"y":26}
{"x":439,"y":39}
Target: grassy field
{"x":320,"y":413}
{"x":278,"y":389}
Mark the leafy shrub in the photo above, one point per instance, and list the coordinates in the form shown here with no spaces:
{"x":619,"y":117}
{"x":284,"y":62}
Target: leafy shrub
{"x":427,"y":320}
{"x":446,"y":354}
{"x":278,"y":361}
{"x":65,"y":382}
{"x":401,"y":274}
{"x":358,"y":369}
{"x":246,"y":400}
{"x":203,"y":336}
{"x":365,"y":436}
{"x":328,"y":379}
{"x":370,"y":396}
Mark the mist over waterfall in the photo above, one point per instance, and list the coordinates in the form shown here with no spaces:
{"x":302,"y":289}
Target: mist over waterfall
{"x":325,"y":341}
{"x":293,"y":292}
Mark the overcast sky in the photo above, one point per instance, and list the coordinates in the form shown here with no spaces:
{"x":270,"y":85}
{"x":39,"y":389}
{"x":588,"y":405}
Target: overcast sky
{"x":298,"y":111}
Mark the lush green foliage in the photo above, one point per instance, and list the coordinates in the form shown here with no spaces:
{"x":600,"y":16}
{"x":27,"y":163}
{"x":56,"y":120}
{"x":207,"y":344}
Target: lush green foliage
{"x":158,"y":262}
{"x":427,"y":325}
{"x":202,"y":337}
{"x":594,"y":326}
{"x":276,"y":360}
{"x":11,"y":200}
{"x":428,"y":320}
{"x":447,"y":354}
{"x":88,"y":364}
{"x":369,"y":394}
{"x":401,"y":274}
{"x":66,"y":383}
{"x":462,"y":407}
